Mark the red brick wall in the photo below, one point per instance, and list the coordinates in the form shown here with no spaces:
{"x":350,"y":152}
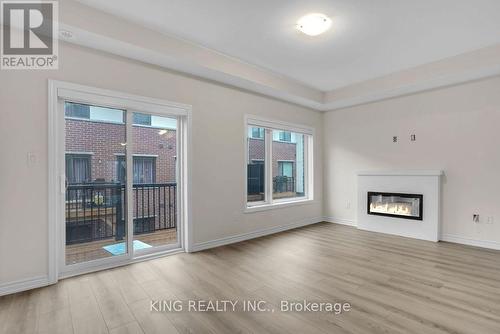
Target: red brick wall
{"x":284,"y":151}
{"x":104,"y":140}
{"x":256,"y":149}
{"x":148,"y":141}
{"x":281,"y":151}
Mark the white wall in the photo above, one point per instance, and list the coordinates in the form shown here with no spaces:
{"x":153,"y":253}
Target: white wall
{"x":218,"y":162}
{"x":457,"y":130}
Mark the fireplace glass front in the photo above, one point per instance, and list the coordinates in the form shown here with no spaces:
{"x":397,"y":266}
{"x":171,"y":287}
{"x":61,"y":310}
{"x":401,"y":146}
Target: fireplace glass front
{"x":408,"y":206}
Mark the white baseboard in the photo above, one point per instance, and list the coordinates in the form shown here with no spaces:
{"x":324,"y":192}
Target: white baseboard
{"x":23,"y":285}
{"x":445,"y":237}
{"x":40,"y":281}
{"x":252,"y":235}
{"x":340,"y":221}
{"x":471,"y":242}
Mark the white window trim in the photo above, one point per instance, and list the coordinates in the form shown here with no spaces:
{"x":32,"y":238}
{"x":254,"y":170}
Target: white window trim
{"x":118,"y":123}
{"x":81,"y":119}
{"x":153,"y":127}
{"x":270,"y":125}
{"x":58,"y":92}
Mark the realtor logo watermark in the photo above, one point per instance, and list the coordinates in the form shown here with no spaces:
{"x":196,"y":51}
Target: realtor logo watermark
{"x":29,"y":35}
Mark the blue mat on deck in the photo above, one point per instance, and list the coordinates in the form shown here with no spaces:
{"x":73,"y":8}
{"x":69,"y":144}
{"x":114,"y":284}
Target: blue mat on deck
{"x":119,"y":248}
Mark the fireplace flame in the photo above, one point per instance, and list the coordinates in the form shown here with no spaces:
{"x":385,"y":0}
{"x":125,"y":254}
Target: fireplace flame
{"x":403,"y":209}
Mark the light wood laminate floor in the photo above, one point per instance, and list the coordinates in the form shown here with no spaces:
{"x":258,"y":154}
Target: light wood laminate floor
{"x":395,"y":285}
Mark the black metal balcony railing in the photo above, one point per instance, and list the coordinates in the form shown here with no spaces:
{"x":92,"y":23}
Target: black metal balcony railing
{"x":96,"y":211}
{"x":155,"y":207}
{"x":283,"y":184}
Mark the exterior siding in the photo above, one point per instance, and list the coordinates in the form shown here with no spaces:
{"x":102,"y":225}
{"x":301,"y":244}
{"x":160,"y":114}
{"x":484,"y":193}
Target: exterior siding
{"x":104,"y":141}
{"x":281,"y":152}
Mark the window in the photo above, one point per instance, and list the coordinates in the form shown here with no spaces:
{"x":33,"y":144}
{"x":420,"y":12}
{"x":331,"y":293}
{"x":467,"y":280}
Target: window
{"x":257,"y":133}
{"x":256,"y":166}
{"x":288,"y":165}
{"x":285,"y":168}
{"x":121,"y":169}
{"x":144,"y":169}
{"x":285,"y":136}
{"x":142,"y":119}
{"x":76,"y":110}
{"x":279,"y":166}
{"x":87,"y":112}
{"x":78,"y":168}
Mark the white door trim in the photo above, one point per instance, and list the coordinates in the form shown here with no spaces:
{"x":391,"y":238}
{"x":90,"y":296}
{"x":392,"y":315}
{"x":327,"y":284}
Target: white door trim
{"x":58,"y":91}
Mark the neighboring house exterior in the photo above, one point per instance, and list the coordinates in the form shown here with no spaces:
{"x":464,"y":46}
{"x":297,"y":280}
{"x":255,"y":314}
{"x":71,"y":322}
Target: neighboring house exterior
{"x":287,"y":156}
{"x":95,"y":150}
{"x":95,"y":145}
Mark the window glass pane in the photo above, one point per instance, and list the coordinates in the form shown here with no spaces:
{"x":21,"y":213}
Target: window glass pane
{"x":285,"y":168}
{"x":285,"y":136}
{"x":163,"y":122}
{"x":95,"y":202}
{"x":121,"y":173}
{"x":288,"y":164}
{"x":78,"y":168}
{"x":106,"y":115}
{"x":76,"y":110}
{"x":154,"y":189}
{"x":256,"y":166}
{"x":257,"y":133}
{"x":144,"y":169}
{"x":93,"y":113}
{"x":142,"y":119}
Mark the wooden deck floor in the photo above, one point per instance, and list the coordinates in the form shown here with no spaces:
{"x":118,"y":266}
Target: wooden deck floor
{"x":94,"y":250}
{"x":394,"y":284}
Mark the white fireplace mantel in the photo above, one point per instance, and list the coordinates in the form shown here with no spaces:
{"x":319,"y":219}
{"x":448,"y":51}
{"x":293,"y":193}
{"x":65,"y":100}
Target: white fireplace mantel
{"x":425,"y":182}
{"x":425,"y":172}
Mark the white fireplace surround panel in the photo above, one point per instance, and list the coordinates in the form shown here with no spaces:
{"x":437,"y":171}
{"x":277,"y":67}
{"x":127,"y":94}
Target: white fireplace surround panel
{"x":425,"y":182}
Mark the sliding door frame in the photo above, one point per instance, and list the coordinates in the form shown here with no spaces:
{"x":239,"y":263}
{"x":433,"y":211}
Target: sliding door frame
{"x":59,"y":92}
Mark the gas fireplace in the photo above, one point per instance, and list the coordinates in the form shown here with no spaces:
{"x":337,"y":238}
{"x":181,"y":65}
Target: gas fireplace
{"x":408,"y":206}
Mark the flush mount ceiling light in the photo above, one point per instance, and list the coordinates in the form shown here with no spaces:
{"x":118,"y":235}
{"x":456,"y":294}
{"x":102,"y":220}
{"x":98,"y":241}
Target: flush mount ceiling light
{"x":314,"y":24}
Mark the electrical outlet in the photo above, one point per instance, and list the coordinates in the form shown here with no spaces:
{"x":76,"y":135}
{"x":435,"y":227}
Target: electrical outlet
{"x":395,"y":139}
{"x":475,"y":218}
{"x":490,"y":220}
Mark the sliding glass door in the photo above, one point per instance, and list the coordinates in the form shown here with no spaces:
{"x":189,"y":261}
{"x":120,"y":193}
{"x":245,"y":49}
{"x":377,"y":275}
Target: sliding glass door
{"x":154,"y":176}
{"x":95,"y":201}
{"x":121,"y":184}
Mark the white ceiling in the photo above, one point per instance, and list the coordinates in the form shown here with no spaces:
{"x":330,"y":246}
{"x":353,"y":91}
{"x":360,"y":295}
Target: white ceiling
{"x":369,"y":38}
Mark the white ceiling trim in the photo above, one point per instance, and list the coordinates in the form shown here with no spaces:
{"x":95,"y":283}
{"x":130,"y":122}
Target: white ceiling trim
{"x":124,"y":49}
{"x":418,"y":87}
{"x":131,"y":51}
{"x":366,"y":40}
